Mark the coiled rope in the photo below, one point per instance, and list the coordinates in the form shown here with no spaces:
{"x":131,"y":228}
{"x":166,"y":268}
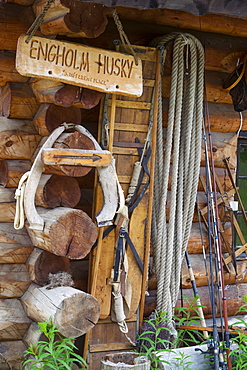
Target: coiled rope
{"x":183,"y":147}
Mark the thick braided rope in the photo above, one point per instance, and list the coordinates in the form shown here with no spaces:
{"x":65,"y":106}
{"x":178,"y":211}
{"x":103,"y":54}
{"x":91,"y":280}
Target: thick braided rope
{"x":191,"y":160}
{"x":183,"y":143}
{"x":161,"y":229}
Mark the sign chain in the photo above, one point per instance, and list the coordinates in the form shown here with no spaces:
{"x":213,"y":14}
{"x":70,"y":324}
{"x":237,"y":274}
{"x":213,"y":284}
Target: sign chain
{"x":38,"y":21}
{"x":123,"y":36}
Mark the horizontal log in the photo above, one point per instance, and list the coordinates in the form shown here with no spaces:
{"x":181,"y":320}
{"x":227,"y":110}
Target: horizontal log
{"x":50,"y":116}
{"x":14,"y":253}
{"x":214,"y":87}
{"x":73,"y":241}
{"x":221,"y":51}
{"x":11,"y":354}
{"x":223,"y":117}
{"x":7,"y":195}
{"x":11,"y":171}
{"x":45,"y":90}
{"x":75,"y":20}
{"x":80,"y":96}
{"x":41,"y":263}
{"x":7,"y":213}
{"x":54,"y":92}
{"x":14,"y":21}
{"x":13,"y":320}
{"x":21,"y":2}
{"x":57,"y":191}
{"x":218,"y":23}
{"x":33,"y":335}
{"x":234,"y":298}
{"x":9,"y":235}
{"x":18,"y":101}
{"x":14,"y":280}
{"x":201,"y":274}
{"x":8,"y":71}
{"x":73,"y":311}
{"x":18,"y":139}
{"x":74,"y":140}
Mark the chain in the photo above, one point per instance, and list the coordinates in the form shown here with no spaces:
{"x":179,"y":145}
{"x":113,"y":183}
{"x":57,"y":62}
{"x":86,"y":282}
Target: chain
{"x":38,"y":21}
{"x":123,"y":37}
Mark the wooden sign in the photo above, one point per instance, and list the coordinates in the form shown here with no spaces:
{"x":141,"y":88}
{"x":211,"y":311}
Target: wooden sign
{"x":79,"y":65}
{"x":73,"y":157}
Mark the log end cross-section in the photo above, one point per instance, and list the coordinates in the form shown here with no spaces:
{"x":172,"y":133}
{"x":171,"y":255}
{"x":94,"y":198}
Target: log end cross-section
{"x":67,"y":232}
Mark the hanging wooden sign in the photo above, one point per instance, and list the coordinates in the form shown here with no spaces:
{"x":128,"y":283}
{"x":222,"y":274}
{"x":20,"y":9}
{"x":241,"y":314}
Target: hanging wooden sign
{"x":80,"y":65}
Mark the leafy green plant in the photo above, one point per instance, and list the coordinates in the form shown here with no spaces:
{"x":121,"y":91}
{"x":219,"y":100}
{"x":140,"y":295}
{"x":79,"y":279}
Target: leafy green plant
{"x":158,"y":337}
{"x":155,"y":339}
{"x":187,"y":316}
{"x":239,"y":354}
{"x":181,"y":362}
{"x":55,"y":353}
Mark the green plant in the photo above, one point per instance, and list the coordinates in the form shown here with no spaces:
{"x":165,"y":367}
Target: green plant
{"x":55,"y":353}
{"x":181,"y":362}
{"x":155,"y":339}
{"x":239,"y":354}
{"x":187,"y":316}
{"x":158,"y":335}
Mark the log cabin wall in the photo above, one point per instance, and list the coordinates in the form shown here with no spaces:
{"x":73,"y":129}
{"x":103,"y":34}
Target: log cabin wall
{"x":32,"y":108}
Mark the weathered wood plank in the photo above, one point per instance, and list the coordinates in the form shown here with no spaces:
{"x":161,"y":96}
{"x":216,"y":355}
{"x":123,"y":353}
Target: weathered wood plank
{"x":14,"y":280}
{"x":13,"y":320}
{"x":14,"y":253}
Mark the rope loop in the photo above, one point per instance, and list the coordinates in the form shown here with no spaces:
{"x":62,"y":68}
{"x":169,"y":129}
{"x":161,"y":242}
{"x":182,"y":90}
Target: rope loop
{"x":183,"y":147}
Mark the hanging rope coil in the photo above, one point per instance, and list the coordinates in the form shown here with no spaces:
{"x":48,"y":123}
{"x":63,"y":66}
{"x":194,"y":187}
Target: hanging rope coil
{"x":183,"y":147}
